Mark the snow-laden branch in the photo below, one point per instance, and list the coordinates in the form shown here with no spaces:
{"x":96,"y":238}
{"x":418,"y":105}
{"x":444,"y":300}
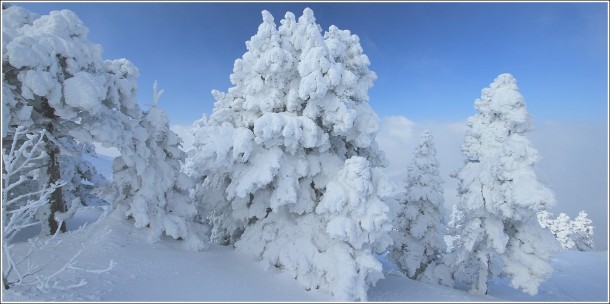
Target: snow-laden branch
{"x":156,"y":94}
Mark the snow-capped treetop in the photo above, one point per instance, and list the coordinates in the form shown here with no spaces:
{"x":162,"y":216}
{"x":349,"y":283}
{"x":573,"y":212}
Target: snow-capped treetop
{"x":423,"y":176}
{"x":502,"y":98}
{"x":501,"y":112}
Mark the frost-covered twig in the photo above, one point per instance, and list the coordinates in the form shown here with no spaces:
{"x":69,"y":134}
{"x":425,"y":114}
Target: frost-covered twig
{"x":156,"y":94}
{"x":19,"y":212}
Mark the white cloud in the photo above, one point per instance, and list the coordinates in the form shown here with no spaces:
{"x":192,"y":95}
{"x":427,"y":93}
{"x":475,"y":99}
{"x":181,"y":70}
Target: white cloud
{"x":574,"y":164}
{"x":395,"y":134}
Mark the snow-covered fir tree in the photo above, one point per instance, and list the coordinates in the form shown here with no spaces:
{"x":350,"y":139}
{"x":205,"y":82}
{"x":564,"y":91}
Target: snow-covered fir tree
{"x":419,"y":224}
{"x":150,"y":184}
{"x":500,"y":196}
{"x":287,"y":167}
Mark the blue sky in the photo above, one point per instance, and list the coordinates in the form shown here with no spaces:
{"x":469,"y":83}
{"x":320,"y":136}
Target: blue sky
{"x":432,"y":59}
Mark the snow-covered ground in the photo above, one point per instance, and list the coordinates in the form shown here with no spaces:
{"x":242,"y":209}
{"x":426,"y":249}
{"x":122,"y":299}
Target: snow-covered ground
{"x":164,"y":271}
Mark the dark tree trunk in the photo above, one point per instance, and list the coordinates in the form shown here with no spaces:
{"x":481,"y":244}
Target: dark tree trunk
{"x":57,"y":202}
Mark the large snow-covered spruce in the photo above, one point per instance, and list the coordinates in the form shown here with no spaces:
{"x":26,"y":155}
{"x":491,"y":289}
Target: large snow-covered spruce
{"x":55,"y":79}
{"x":500,"y":195}
{"x":287,"y":167}
{"x":419,"y":219}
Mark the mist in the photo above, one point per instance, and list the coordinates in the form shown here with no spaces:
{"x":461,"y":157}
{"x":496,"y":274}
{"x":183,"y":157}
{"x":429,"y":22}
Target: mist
{"x":574,"y":162}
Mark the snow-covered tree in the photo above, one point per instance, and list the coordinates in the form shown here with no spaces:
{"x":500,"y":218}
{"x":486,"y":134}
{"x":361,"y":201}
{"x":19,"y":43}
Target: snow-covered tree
{"x":150,"y":184}
{"x":419,"y":224}
{"x":500,"y":195}
{"x":55,"y":79}
{"x":287,"y":167}
{"x":574,"y":234}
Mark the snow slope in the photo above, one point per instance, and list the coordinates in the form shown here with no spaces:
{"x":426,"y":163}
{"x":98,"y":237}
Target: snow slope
{"x":164,"y":271}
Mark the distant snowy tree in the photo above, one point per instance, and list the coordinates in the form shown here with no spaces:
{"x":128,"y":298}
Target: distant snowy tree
{"x":419,"y":227}
{"x":287,"y":167}
{"x":500,"y":195}
{"x":583,"y":232}
{"x":561,"y":227}
{"x":574,"y":234}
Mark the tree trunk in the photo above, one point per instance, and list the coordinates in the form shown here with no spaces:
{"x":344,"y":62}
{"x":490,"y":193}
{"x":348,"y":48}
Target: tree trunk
{"x":56,"y":201}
